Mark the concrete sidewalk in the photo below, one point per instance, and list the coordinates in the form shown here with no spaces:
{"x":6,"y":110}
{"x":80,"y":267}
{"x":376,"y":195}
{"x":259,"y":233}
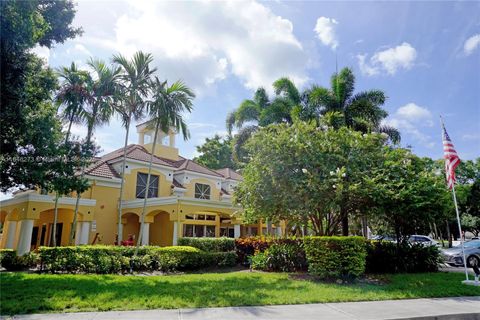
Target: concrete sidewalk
{"x":459,"y":308}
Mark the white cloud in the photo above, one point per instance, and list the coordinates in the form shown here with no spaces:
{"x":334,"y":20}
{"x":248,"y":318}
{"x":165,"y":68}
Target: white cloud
{"x":471,"y":44}
{"x":409,"y":119}
{"x":204,"y":42}
{"x":389,"y":60}
{"x":325,"y":29}
{"x":42,"y":52}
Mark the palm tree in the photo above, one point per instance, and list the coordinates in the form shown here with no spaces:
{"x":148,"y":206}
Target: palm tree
{"x":135,"y":79}
{"x":339,"y":106}
{"x":165,"y":112}
{"x":72,"y":94}
{"x":102,"y":90}
{"x":261,"y":111}
{"x":361,"y":111}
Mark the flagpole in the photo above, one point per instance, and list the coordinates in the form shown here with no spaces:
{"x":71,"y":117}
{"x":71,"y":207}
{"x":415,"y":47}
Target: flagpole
{"x":460,"y":230}
{"x":458,"y":216}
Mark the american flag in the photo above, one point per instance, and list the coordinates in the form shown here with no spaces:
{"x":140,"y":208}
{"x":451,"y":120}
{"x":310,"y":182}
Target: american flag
{"x":451,"y":158}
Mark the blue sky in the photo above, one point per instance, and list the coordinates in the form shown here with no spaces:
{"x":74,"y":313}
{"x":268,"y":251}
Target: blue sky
{"x":424,"y":55}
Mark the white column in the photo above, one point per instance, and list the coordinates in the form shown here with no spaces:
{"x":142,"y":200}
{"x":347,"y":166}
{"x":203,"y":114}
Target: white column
{"x":175,"y":233}
{"x":12,"y":231}
{"x":145,"y":234}
{"x":279,"y":231}
{"x":236,"y":230}
{"x":78,"y":233}
{"x":85,"y":233}
{"x":24,"y":243}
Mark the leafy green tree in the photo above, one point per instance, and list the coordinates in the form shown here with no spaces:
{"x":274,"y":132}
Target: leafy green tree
{"x":135,"y":87}
{"x":26,"y":85}
{"x":216,"y":153}
{"x":407,"y":196}
{"x":300,"y":174}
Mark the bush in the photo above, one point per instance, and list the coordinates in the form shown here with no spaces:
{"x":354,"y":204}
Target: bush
{"x":286,"y":255}
{"x":390,"y":257}
{"x":222,"y":244}
{"x":246,"y":248}
{"x":113,"y":259}
{"x":336,"y":257}
{"x":10,"y":261}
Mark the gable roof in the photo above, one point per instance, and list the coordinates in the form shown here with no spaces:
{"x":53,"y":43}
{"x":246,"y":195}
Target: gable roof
{"x":230,"y":174}
{"x":103,"y":166}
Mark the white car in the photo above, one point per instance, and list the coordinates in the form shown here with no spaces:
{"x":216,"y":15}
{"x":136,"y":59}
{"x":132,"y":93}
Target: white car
{"x":423,"y":240}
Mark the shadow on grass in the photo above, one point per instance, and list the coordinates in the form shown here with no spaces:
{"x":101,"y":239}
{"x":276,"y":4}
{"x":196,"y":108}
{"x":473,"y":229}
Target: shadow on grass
{"x":29,"y":293}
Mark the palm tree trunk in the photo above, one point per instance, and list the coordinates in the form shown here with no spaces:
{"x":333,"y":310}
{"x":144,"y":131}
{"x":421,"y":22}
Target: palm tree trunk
{"x":77,"y":201}
{"x":142,"y":217}
{"x":120,"y":206}
{"x":67,"y":136}
{"x":55,"y":218}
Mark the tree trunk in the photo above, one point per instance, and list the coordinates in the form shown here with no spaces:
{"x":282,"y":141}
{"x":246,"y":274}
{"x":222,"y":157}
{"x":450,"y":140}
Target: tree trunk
{"x":77,"y":201}
{"x":55,"y":218}
{"x":449,"y":235}
{"x":144,"y":209}
{"x":120,"y":206}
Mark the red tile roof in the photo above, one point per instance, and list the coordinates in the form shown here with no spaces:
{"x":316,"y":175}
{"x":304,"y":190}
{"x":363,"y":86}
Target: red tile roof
{"x":230,"y":174}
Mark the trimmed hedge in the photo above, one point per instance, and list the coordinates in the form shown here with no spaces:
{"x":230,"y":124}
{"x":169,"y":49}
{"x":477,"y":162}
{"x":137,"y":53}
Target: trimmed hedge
{"x":390,"y":257}
{"x":10,"y":261}
{"x":285,"y":255}
{"x":336,"y":257}
{"x":222,"y":244}
{"x":114,"y":259}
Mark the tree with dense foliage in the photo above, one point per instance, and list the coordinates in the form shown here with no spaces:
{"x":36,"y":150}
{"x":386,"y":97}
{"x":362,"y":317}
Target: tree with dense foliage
{"x":300,"y":174}
{"x":165,"y":113}
{"x":216,"y":153}
{"x":27,"y":117}
{"x":407,"y":196}
{"x":135,"y":79}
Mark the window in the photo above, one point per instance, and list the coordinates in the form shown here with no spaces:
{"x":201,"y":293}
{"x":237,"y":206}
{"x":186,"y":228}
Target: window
{"x":202,"y":191}
{"x":227,"y":232}
{"x":207,"y":217}
{"x":197,"y":231}
{"x":142,"y":185}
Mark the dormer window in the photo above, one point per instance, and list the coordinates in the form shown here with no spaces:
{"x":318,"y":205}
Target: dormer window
{"x":142,"y":185}
{"x":202,"y":191}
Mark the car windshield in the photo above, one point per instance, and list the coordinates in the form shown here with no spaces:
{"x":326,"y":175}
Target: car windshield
{"x":471,"y":244}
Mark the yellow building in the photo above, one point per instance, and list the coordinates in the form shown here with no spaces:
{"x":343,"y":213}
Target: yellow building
{"x":185,"y":199}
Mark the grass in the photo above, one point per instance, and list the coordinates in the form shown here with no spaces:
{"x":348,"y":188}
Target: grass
{"x":33,"y":293}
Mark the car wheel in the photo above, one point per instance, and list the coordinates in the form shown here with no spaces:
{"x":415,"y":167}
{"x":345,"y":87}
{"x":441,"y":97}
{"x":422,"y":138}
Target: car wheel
{"x":473,"y":261}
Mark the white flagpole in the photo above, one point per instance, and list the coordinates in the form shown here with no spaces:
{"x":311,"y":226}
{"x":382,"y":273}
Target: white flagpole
{"x":460,"y":230}
{"x":458,"y":215}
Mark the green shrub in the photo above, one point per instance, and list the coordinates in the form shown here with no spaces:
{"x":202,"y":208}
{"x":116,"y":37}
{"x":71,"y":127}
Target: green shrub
{"x":10,"y":261}
{"x":285,"y":255}
{"x":390,"y":257}
{"x":336,"y":257}
{"x":222,"y":244}
{"x":113,"y":259}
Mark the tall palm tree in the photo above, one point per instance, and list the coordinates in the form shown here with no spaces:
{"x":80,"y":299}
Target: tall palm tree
{"x":73,"y":94}
{"x":165,"y":112}
{"x":362,"y":111}
{"x":135,"y":80}
{"x":261,"y":111}
{"x":102,"y":90}
{"x":339,"y":106}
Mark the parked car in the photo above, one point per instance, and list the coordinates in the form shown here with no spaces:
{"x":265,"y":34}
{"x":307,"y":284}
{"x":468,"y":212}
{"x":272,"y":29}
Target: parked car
{"x":384,"y":238}
{"x":423,"y":240}
{"x":454,"y":257}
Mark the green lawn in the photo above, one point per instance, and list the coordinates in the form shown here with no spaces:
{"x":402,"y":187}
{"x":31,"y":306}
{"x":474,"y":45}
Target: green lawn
{"x":33,"y":293}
